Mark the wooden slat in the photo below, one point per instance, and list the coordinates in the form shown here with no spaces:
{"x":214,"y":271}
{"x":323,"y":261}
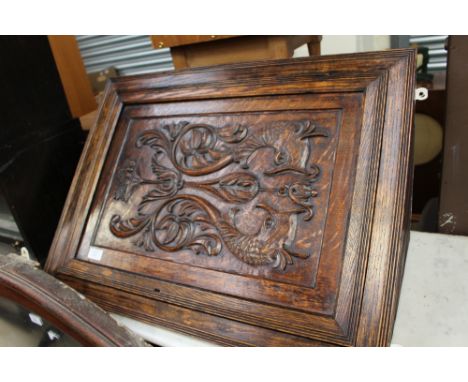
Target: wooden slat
{"x":73,"y":75}
{"x":196,"y":51}
{"x":178,"y":40}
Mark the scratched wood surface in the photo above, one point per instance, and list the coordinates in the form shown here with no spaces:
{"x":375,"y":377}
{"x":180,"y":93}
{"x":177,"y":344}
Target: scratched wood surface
{"x":268,"y":198}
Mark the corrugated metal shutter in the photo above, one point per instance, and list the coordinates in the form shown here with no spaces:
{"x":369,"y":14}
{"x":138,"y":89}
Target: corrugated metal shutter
{"x":437,"y":52}
{"x":128,"y":54}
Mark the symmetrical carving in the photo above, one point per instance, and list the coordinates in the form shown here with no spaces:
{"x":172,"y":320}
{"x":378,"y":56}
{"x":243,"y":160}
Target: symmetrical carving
{"x":171,"y":217}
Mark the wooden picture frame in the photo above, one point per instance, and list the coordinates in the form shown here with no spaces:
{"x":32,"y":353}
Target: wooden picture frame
{"x":262,"y":203}
{"x":25,"y":284}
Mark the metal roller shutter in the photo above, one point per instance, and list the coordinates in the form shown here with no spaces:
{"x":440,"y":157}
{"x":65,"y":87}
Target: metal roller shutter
{"x":437,"y":52}
{"x":128,"y":54}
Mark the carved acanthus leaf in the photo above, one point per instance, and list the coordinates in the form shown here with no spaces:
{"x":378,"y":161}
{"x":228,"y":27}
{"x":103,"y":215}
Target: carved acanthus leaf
{"x":171,"y":221}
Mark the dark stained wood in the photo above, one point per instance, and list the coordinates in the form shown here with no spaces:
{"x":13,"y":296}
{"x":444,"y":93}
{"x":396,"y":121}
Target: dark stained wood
{"x":453,"y":210}
{"x":62,"y":306}
{"x":222,"y":331}
{"x":264,"y":203}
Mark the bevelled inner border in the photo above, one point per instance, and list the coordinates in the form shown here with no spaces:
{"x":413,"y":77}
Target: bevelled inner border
{"x":376,"y":241}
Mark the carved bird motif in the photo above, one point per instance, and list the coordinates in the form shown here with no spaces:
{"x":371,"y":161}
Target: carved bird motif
{"x":188,"y":221}
{"x":265,"y":247}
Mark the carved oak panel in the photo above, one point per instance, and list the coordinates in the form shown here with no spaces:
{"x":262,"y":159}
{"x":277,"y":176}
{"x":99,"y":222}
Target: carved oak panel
{"x":249,"y":204}
{"x":235,"y":193}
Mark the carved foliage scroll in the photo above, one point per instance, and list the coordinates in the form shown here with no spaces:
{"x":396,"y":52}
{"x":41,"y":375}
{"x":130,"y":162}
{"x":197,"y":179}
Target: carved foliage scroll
{"x":173,"y":215}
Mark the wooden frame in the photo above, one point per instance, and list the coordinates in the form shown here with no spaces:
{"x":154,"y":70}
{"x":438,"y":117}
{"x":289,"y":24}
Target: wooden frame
{"x":170,"y":41}
{"x":63,"y":307}
{"x":71,"y":69}
{"x":354,"y":297}
{"x":195,"y":51}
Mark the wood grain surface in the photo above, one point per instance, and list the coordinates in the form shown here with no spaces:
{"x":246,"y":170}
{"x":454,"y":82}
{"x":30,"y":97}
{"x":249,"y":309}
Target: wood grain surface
{"x":263,"y":203}
{"x":64,"y":308}
{"x":72,"y":71}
